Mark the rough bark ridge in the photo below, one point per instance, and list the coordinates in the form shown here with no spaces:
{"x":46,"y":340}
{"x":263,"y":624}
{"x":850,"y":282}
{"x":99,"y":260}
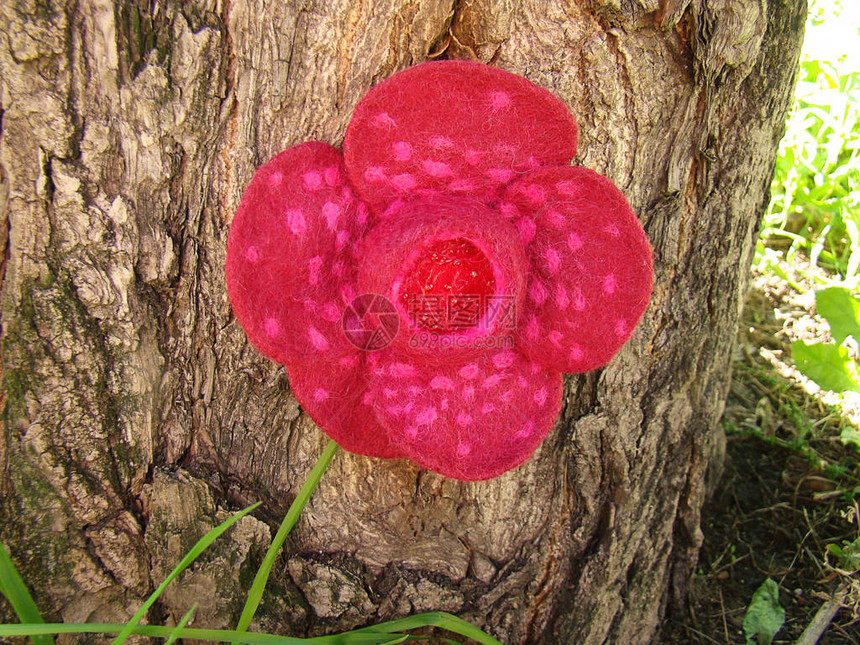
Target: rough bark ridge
{"x":137,"y":415}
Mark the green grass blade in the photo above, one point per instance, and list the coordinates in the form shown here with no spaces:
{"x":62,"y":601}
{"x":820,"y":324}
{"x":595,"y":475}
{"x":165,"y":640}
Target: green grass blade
{"x":215,"y":635}
{"x":433,"y":619}
{"x":16,"y":592}
{"x":182,"y":623}
{"x":259,"y":585}
{"x":192,"y":555}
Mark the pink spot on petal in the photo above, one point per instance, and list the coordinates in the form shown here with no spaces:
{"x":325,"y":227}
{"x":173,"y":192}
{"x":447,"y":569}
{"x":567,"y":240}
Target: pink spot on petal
{"x":317,"y":339}
{"x":492,"y":380}
{"x":331,"y":176}
{"x":401,"y":150}
{"x":578,"y":300}
{"x":508,"y":210}
{"x":314,"y":266}
{"x":312,"y":180}
{"x":540,"y":397}
{"x":562,"y":300}
{"x":410,"y":431}
{"x":574,"y":242}
{"x":404,"y":181}
{"x":575,"y":353}
{"x":555,"y":337}
{"x":532,"y":330}
{"x":441,"y":143}
{"x":621,"y":327}
{"x":441,"y":383}
{"x":361,"y":214}
{"x":331,"y":312}
{"x":341,"y":240}
{"x":527,"y":229}
{"x":393,"y":208}
{"x":436,"y":168}
{"x":503,"y":360}
{"x":501,"y":175}
{"x":499,"y":100}
{"x":331,"y":212}
{"x":350,"y":361}
{"x":552,"y":260}
{"x":252,"y":254}
{"x":612,"y":231}
{"x":464,"y":419}
{"x":487,"y":408}
{"x":610,"y":283}
{"x":389,"y":392}
{"x":473,"y":157}
{"x":463,"y":449}
{"x":525,"y":432}
{"x":556,"y":219}
{"x":271,"y":327}
{"x":383,"y":120}
{"x":401,"y":370}
{"x":296,"y":221}
{"x":462,"y":185}
{"x":276,"y":178}
{"x":337,"y":268}
{"x":374,"y":174}
{"x":536,"y":194}
{"x":443,"y":404}
{"x":568,"y":188}
{"x":469,"y":371}
{"x":347,"y":293}
{"x":426,"y":417}
{"x":320,"y":395}
{"x":538,"y":292}
{"x":468,"y":393}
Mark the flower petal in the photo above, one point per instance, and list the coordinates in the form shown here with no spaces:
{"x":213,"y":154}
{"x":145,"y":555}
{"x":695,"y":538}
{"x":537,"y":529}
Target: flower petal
{"x":591,"y":267}
{"x":453,"y":126}
{"x":470,"y":421}
{"x":333,"y":394}
{"x":290,"y":255}
{"x":401,"y":259}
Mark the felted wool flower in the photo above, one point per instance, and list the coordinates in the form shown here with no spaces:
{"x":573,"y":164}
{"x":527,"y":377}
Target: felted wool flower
{"x":427,"y":289}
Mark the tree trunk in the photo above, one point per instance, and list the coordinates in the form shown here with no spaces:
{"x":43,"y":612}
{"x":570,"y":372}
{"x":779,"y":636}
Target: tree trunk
{"x":137,"y":416}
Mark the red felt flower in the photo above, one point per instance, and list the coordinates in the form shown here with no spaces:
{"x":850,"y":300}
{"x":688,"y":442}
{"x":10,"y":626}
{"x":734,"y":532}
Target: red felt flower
{"x":426,"y":289}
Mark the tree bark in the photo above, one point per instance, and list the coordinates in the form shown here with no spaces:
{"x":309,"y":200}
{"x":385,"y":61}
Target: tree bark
{"x":137,"y":416}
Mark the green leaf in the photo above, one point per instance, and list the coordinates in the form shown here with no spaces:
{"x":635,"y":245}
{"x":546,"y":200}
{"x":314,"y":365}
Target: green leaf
{"x":828,"y":365}
{"x":214,"y":635}
{"x":15,"y":591}
{"x":195,"y":551}
{"x":439,"y":619}
{"x":255,"y":594}
{"x":182,"y":623}
{"x":765,"y":616}
{"x":842,"y":312}
{"x":850,"y":435}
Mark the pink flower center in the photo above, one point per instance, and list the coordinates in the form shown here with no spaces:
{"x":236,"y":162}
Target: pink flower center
{"x":447,"y":287}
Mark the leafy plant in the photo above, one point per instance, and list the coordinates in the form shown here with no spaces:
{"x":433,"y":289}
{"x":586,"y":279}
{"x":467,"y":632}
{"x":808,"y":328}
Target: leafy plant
{"x":12,"y":587}
{"x":764,"y":616}
{"x":814,"y":203}
{"x":830,"y":365}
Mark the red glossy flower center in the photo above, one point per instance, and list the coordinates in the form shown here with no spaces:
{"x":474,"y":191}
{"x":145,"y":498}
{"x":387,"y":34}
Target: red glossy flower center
{"x":447,"y":287}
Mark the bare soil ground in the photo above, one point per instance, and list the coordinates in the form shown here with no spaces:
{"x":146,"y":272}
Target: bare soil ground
{"x":790,"y":486}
